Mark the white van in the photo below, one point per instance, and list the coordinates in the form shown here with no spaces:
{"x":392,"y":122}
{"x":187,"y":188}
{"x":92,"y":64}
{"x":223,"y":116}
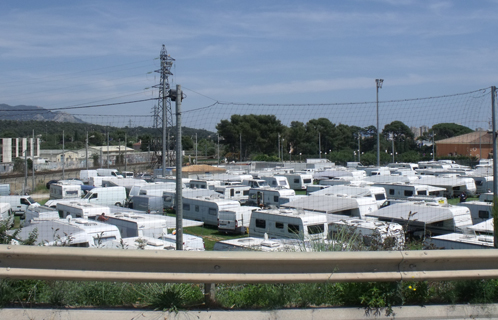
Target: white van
{"x":85,"y":175}
{"x":19,"y":204}
{"x":65,"y":191}
{"x":111,"y":196}
{"x":109,"y":172}
{"x":288,"y":223}
{"x":235,"y":220}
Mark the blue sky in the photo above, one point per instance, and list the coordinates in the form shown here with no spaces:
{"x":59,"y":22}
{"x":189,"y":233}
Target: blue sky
{"x":56,"y":54}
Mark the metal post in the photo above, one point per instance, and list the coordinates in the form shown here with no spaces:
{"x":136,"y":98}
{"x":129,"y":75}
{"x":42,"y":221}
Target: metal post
{"x":480,"y":150}
{"x":359,"y":149}
{"x":319,"y":145}
{"x":495,"y":167}
{"x":196,"y":149}
{"x":63,"y":157}
{"x":240,"y":149}
{"x":125,"y":162}
{"x":179,"y":200}
{"x":165,"y":151}
{"x":107,"y":149}
{"x":25,"y":168}
{"x":392,"y":140}
{"x":33,"y":162}
{"x":218,"y":149}
{"x":378,"y":85}
{"x":278,"y":146}
{"x":86,"y":151}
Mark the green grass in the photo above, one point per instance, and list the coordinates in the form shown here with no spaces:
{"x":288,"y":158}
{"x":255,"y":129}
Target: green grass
{"x":211,"y":235}
{"x":456,"y":200}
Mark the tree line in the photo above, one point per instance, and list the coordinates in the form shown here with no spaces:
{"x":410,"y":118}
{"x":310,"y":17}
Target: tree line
{"x":265,"y":137}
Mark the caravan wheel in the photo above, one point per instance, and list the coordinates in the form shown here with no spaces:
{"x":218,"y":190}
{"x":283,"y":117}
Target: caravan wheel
{"x":118,"y":204}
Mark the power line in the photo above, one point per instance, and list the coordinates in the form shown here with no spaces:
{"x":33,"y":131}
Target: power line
{"x":80,"y":107}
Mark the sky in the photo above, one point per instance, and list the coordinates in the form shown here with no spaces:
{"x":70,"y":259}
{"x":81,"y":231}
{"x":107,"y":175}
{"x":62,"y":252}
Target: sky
{"x":57,"y":54}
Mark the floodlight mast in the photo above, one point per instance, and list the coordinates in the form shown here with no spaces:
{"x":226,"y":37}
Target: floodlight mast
{"x":378,"y":83}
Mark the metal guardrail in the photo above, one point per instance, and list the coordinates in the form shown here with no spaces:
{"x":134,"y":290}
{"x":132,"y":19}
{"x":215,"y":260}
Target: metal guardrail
{"x":69,"y":263}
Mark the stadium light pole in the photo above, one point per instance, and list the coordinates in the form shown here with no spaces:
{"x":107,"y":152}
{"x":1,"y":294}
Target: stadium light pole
{"x":378,"y":83}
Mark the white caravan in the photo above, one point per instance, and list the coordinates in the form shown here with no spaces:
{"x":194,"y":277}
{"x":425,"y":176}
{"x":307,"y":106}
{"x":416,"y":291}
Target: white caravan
{"x":480,"y":211}
{"x":204,"y":184}
{"x":19,"y":204}
{"x":265,"y":197}
{"x":423,"y":218}
{"x":72,"y":232}
{"x":111,"y":196}
{"x":255,"y":183}
{"x":261,"y":244}
{"x":235,"y":220}
{"x":169,"y":197}
{"x":65,"y":191}
{"x":234,"y":192}
{"x":462,"y":241}
{"x":377,"y":193}
{"x":405,"y":190}
{"x":352,"y":206}
{"x":5,"y":212}
{"x":483,"y":184}
{"x":299,"y":181}
{"x":276,"y":181}
{"x":207,"y":209}
{"x":453,"y":185}
{"x":484,"y":197}
{"x":81,"y":210}
{"x":388,"y":233}
{"x":288,"y":223}
{"x":41,"y":213}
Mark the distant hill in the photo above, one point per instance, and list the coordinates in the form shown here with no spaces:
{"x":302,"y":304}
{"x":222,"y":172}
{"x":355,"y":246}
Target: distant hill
{"x":26,"y":113}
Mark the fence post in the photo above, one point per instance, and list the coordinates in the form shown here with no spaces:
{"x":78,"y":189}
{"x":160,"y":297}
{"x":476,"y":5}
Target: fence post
{"x":210,"y":294}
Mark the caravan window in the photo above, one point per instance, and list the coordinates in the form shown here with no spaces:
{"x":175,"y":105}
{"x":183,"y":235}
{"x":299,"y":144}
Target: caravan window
{"x":70,"y":193}
{"x":279,"y":225}
{"x":275,"y":198}
{"x":293,"y":228}
{"x":380,"y":196}
{"x":316,"y":229}
{"x":246,"y":192}
{"x":274,"y":183}
{"x":422,"y":193}
{"x":296,"y":180}
{"x":483,"y":214}
{"x":282,"y":183}
{"x":212,"y":211}
{"x":408,"y":193}
{"x":260,"y":223}
{"x":391,"y":192}
{"x":307,"y":180}
{"x":186,"y":206}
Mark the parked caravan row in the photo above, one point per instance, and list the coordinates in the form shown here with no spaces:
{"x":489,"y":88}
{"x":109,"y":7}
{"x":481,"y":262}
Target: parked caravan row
{"x":405,"y":190}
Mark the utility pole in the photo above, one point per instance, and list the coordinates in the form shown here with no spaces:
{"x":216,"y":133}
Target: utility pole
{"x":495,"y":167}
{"x":196,"y":162}
{"x":63,"y":157}
{"x":320,"y":145}
{"x":25,"y":167}
{"x":125,"y":162}
{"x":378,"y":83}
{"x":33,"y":162}
{"x":107,"y":148}
{"x":179,"y":158}
{"x":86,"y":151}
{"x":240,"y":149}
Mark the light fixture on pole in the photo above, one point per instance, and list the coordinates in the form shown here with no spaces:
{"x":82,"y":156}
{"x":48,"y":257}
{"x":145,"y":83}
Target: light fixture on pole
{"x":378,"y":83}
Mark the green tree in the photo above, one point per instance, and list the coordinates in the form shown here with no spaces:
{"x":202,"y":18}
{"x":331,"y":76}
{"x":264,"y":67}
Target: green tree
{"x":402,"y":135}
{"x":448,"y":130}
